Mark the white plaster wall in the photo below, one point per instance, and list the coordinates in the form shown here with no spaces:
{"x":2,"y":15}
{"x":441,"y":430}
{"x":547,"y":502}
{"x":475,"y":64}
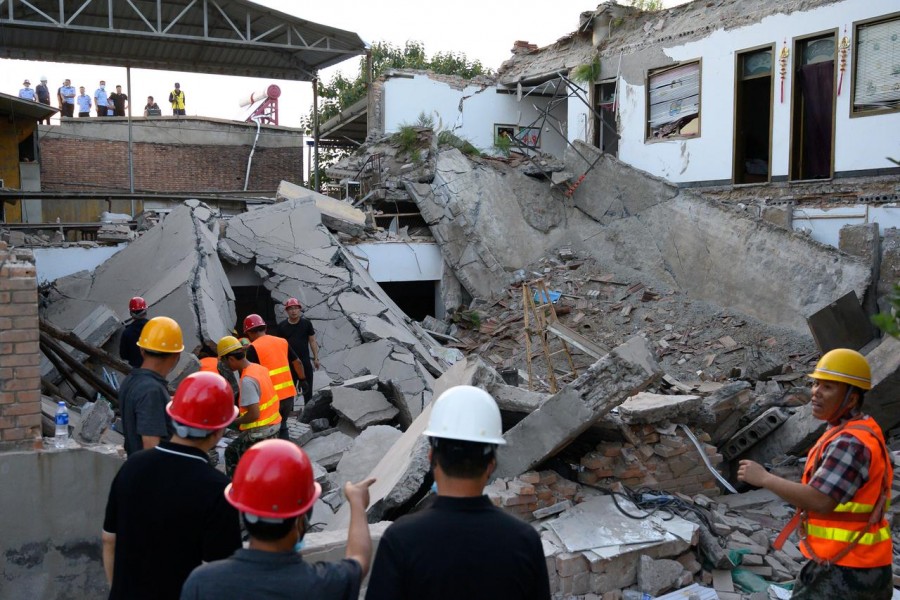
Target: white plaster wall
{"x":579,"y":117}
{"x":470,"y":113}
{"x":825,"y":225}
{"x":400,"y":261}
{"x":860,"y":142}
{"x":53,"y":263}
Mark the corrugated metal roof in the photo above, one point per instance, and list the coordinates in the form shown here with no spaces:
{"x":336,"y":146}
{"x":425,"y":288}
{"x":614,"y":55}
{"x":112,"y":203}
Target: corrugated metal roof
{"x":225,"y":37}
{"x":13,"y":105}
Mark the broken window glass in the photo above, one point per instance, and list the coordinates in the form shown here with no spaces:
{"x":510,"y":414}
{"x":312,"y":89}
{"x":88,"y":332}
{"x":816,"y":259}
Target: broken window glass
{"x":674,"y":102}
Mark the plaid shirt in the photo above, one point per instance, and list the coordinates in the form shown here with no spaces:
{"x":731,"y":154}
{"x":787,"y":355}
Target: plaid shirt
{"x":844,"y":466}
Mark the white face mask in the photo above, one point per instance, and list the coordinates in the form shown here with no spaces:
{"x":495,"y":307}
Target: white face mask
{"x":102,"y":87}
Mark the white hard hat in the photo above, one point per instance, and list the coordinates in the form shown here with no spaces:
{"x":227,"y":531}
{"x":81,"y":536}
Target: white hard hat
{"x":43,"y":78}
{"x":468,"y":414}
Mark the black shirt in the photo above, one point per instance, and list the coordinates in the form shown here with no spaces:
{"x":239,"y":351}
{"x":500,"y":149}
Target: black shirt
{"x":459,"y":548}
{"x":118,"y":101}
{"x":255,"y":574}
{"x":297,"y":334}
{"x":43,"y":93}
{"x":168,"y":511}
{"x":142,"y":400}
{"x":128,"y":348}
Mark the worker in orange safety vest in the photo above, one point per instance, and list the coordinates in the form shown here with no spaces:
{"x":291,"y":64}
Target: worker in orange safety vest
{"x":844,"y":491}
{"x":259,"y":418}
{"x":276,"y":355}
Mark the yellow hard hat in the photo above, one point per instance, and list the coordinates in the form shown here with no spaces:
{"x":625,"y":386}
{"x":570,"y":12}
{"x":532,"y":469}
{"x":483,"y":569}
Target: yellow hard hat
{"x":844,"y":365}
{"x":227,"y":345}
{"x":161,"y":334}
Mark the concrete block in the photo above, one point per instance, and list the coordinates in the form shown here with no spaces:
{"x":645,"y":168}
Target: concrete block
{"x":657,"y":576}
{"x":863,"y":240}
{"x":883,"y":400}
{"x":327,"y":450}
{"x":646,"y":407}
{"x":96,"y":417}
{"x":565,"y":415}
{"x":841,"y":324}
{"x":782,"y":216}
{"x":362,"y":407}
{"x":798,"y":433}
{"x":365,"y":452}
{"x":756,"y":431}
{"x":889,"y":270}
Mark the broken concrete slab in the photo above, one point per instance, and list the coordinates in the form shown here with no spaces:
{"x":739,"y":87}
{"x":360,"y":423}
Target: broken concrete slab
{"x":883,"y":400}
{"x":401,"y":472}
{"x":352,"y":303}
{"x":336,"y":215}
{"x":365,"y":452}
{"x":657,"y":576}
{"x":606,"y":384}
{"x":863,"y":240}
{"x":328,"y":449}
{"x":184,"y":281}
{"x":374,"y":328}
{"x":646,"y":407}
{"x":889,"y":272}
{"x":362,"y":407}
{"x":363,"y":382}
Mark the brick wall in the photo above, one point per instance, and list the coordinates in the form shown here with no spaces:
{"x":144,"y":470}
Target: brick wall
{"x":84,"y":164}
{"x":20,"y":383}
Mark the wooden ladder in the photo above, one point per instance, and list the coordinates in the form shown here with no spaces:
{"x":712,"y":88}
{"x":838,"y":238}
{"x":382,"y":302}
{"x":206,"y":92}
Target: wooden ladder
{"x":540,"y":320}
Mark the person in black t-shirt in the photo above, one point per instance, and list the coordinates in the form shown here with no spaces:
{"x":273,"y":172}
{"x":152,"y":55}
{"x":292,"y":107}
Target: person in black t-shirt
{"x":462,"y":546}
{"x":167,"y":513}
{"x":301,"y":337}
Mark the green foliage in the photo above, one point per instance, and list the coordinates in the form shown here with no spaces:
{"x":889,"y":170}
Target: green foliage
{"x":889,"y":321}
{"x":448,"y":138}
{"x":406,"y":138}
{"x":647,"y":5}
{"x":503,"y":144}
{"x":467,"y":318}
{"x":424,"y":120}
{"x":340,"y":93}
{"x":587,"y":73}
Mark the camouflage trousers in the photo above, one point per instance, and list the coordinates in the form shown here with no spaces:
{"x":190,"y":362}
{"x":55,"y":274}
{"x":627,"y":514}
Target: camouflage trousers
{"x":819,"y":582}
{"x":243,"y":442}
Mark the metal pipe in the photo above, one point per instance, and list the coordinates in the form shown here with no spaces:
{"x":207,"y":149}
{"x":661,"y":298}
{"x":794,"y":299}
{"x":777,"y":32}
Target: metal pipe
{"x":705,"y":458}
{"x":315,"y":83}
{"x":256,"y":119}
{"x":130,"y":139}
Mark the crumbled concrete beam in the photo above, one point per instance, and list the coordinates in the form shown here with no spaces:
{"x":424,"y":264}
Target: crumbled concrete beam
{"x":864,"y":241}
{"x":174,"y":266}
{"x":883,"y":400}
{"x":336,"y":215}
{"x":565,"y":415}
{"x":889,"y":271}
{"x":795,"y":437}
{"x":362,"y":407}
{"x":645,"y":407}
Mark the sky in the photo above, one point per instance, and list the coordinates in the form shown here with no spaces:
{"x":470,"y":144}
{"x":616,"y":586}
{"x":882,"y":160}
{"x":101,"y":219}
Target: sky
{"x":482,"y":29}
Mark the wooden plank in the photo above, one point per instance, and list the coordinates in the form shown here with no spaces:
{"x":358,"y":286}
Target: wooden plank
{"x":576,"y":339}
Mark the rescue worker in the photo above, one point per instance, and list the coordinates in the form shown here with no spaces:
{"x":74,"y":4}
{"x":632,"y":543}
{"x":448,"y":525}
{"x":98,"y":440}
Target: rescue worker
{"x":276,"y":355}
{"x":143,"y":394}
{"x":842,"y":496}
{"x":259,"y":418}
{"x":462,"y":546}
{"x":166,"y":512}
{"x":274,"y":491}
{"x":301,"y":337}
{"x":128,"y":349}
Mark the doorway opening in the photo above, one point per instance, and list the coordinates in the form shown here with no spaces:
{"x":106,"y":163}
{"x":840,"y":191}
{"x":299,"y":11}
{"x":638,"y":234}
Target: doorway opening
{"x":812,"y":107}
{"x":606,"y":131}
{"x":418,"y":299}
{"x":253,"y":299}
{"x":753,"y":116}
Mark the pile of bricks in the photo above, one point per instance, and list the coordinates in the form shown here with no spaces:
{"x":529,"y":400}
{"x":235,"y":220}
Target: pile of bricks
{"x":20,"y":384}
{"x":534,"y":495}
{"x":659,"y":458}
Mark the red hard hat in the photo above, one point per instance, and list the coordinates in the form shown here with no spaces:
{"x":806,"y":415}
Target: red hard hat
{"x":252,"y":322}
{"x":292,"y":302}
{"x":273,"y":479}
{"x":137,"y":304}
{"x":203,"y":400}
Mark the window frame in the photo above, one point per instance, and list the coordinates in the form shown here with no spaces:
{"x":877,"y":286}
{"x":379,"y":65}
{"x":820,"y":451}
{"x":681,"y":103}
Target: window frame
{"x":855,"y":63}
{"x":648,"y":137}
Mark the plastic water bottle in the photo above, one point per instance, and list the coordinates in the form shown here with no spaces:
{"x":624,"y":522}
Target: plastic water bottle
{"x":61,"y":439}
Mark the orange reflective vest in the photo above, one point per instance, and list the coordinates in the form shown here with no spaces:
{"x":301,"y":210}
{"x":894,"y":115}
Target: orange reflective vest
{"x":268,"y":399}
{"x":210,"y":363}
{"x":273,"y":355}
{"x":855,"y":534}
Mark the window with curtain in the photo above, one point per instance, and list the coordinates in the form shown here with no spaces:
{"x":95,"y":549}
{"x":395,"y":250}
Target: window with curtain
{"x":876,"y":77}
{"x":673,"y":102}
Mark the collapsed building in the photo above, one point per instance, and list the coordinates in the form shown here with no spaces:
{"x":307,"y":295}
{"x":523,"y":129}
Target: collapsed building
{"x":640,"y":336}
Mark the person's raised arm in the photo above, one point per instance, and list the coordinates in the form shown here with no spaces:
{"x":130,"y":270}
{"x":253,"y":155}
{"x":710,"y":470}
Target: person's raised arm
{"x":359,"y":541}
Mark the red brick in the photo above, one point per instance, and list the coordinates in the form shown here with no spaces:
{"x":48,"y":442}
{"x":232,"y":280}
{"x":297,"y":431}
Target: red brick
{"x":13,"y":434}
{"x":25,"y":383}
{"x":19,"y":335}
{"x":7,"y":397}
{"x":18,"y":310}
{"x":7,"y":422}
{"x":4,"y":297}
{"x":27,"y":348}
{"x":28,"y":283}
{"x":20,"y":360}
{"x":34,"y":371}
{"x":28,"y":395}
{"x":28,"y":420}
{"x":25,"y":296}
{"x":21,"y":408}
